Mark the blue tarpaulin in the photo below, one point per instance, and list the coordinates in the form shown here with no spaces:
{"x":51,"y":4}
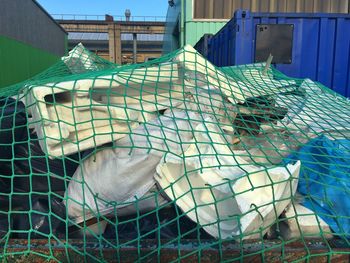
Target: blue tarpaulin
{"x":325,"y":180}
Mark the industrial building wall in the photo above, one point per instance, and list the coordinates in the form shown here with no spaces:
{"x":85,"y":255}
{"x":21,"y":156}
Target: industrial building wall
{"x":223,"y":9}
{"x":30,"y":40}
{"x":26,"y":21}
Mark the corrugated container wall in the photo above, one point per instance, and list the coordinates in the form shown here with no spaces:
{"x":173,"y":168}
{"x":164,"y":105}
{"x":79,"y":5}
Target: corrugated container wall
{"x":201,"y":17}
{"x":218,"y":9}
{"x":319,"y":45}
{"x":30,"y":40}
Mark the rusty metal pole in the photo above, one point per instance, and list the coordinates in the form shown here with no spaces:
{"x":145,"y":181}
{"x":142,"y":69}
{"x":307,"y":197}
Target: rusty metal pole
{"x":134,"y":39}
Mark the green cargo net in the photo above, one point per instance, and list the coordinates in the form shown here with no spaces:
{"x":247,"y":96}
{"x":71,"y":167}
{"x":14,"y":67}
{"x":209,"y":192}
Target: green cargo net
{"x":172,"y":160}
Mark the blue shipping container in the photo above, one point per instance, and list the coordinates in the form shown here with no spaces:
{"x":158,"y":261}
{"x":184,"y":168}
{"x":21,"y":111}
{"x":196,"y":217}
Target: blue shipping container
{"x":320,"y":45}
{"x":202,"y":44}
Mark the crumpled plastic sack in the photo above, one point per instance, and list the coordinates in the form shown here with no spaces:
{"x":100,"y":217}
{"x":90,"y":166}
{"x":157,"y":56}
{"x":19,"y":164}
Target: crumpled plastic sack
{"x":166,"y":223}
{"x":45,"y":174}
{"x":32,"y":170}
{"x":125,"y":173}
{"x":31,"y":212}
{"x":80,"y":60}
{"x":40,"y":218}
{"x":325,"y":180}
{"x":226,"y":195}
{"x":23,"y":164}
{"x":5,"y":225}
{"x":13,"y":127}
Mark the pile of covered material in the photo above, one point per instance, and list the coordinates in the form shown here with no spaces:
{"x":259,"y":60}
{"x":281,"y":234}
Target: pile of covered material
{"x":241,"y":151}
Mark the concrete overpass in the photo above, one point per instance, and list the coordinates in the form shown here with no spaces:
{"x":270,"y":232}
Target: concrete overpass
{"x":119,"y":41}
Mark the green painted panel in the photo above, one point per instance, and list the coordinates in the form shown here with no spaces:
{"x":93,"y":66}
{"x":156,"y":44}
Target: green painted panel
{"x":19,"y":61}
{"x":188,"y":10}
{"x":196,"y":29}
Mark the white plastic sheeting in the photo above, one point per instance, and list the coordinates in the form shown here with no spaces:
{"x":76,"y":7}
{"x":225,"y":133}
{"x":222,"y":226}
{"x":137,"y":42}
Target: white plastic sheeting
{"x":126,"y":173}
{"x":300,"y":221}
{"x":188,"y":151}
{"x":224,"y":194}
{"x":308,"y":111}
{"x":77,"y":115}
{"x":185,"y":152}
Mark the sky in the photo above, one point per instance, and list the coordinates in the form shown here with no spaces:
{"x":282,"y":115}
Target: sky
{"x":102,"y":7}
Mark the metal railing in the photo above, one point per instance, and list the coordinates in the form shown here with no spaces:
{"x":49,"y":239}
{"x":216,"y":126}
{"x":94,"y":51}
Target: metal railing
{"x":103,"y":17}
